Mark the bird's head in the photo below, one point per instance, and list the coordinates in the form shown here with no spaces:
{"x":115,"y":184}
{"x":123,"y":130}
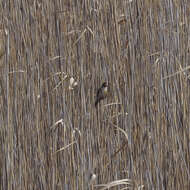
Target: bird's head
{"x":105,"y":84}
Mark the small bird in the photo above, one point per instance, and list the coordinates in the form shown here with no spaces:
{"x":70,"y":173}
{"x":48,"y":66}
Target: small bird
{"x":102,"y":93}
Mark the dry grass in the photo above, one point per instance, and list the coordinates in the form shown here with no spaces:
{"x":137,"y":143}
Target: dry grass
{"x":53,"y":57}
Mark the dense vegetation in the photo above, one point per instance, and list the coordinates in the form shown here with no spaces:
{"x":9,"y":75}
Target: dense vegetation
{"x":51,"y":134}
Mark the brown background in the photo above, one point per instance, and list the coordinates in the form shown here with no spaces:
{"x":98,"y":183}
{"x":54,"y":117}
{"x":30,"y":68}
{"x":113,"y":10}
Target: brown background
{"x":140,"y":132}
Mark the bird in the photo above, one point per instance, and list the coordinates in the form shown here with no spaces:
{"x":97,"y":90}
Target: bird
{"x":101,"y":93}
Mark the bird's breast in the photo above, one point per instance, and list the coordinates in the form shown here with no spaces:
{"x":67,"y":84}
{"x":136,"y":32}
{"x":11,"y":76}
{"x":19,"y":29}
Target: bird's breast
{"x":105,"y":90}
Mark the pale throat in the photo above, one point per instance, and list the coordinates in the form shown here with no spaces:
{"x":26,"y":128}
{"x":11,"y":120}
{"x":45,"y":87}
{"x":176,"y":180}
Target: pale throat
{"x":105,"y":89}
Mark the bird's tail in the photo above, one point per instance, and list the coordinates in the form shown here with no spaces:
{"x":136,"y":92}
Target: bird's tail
{"x":96,"y":102}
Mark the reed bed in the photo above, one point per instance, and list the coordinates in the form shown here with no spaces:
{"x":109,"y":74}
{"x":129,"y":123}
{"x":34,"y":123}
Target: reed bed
{"x":54,"y":55}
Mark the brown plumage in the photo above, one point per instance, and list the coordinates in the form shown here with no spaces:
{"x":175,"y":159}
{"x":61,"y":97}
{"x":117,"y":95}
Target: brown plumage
{"x":102,"y":93}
